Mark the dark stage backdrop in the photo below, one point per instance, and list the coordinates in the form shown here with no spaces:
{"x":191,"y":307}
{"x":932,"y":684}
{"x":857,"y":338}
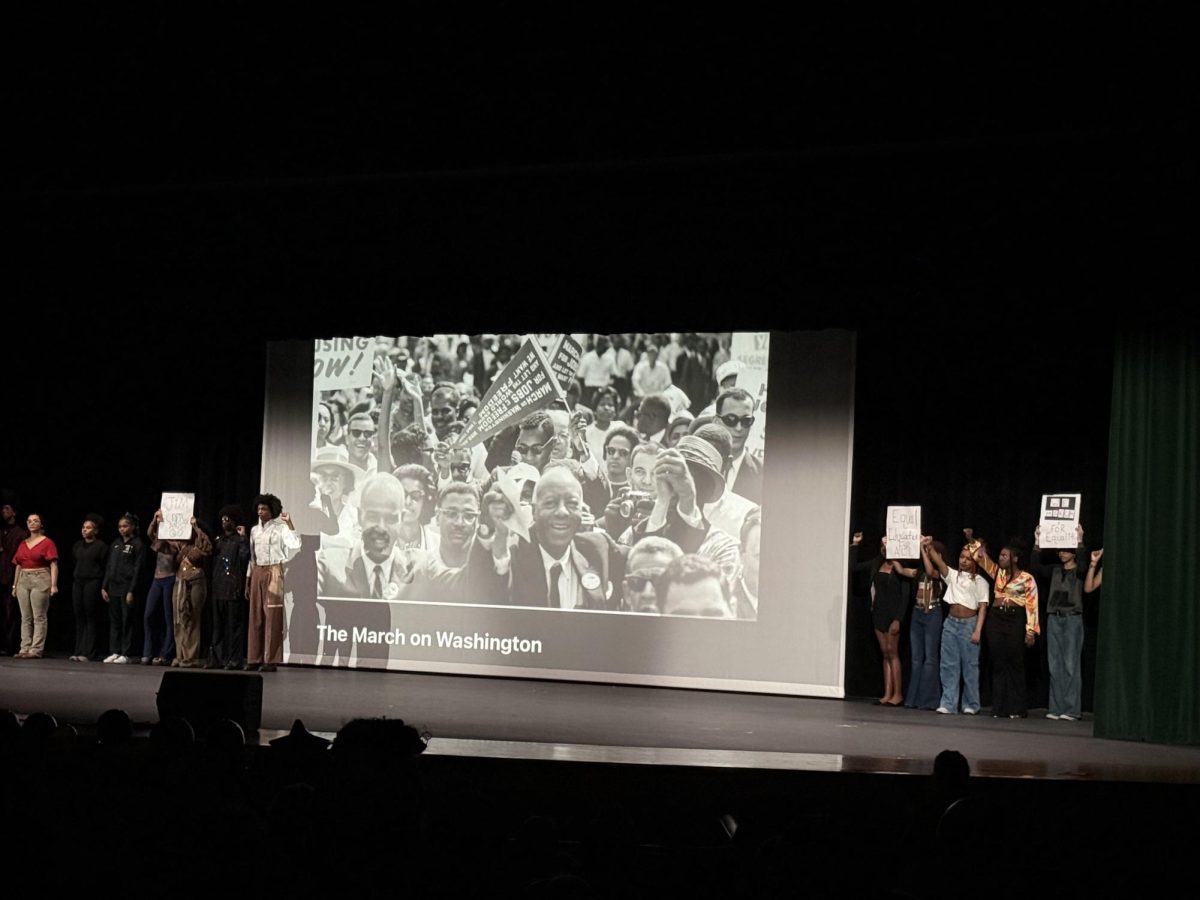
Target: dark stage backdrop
{"x":1149,"y":672}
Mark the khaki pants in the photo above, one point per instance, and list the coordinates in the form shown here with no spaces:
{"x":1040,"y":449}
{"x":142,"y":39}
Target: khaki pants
{"x":33,"y":596}
{"x":264,"y":641}
{"x":187,"y":603}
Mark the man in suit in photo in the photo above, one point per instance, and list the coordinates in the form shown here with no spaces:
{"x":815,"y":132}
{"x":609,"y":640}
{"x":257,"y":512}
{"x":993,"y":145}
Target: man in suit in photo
{"x":561,"y":566}
{"x":355,"y":584}
{"x":744,"y":476}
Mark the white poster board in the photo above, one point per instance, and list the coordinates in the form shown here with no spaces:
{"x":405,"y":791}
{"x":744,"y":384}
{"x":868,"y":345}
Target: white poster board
{"x":903,"y":532}
{"x":343,"y":363}
{"x":752,"y":349}
{"x":177,"y":510}
{"x":1060,"y":516}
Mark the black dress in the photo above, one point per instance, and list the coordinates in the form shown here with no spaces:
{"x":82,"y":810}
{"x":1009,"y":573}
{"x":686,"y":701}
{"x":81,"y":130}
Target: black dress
{"x":891,"y":599}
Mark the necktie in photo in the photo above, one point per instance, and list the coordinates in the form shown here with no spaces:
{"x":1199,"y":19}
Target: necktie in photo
{"x":556,"y":571}
{"x":377,"y":586}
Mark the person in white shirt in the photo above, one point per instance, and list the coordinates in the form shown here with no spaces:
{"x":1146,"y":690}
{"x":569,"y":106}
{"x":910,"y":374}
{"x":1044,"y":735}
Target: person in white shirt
{"x":651,"y":375}
{"x":273,"y":542}
{"x":966,"y":597}
{"x":605,"y":411}
{"x":597,"y":369}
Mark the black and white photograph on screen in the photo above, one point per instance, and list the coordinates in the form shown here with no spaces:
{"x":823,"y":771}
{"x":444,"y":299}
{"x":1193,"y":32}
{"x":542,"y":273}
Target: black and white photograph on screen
{"x":615,"y":473}
{"x":568,"y":506}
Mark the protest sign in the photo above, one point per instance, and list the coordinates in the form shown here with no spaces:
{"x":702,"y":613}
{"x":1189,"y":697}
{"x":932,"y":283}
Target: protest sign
{"x":525,"y":384}
{"x":903,"y":532}
{"x":511,"y":483}
{"x":177,"y":510}
{"x":564,"y":360}
{"x":342,"y":363}
{"x":1060,"y":515}
{"x":751,"y":348}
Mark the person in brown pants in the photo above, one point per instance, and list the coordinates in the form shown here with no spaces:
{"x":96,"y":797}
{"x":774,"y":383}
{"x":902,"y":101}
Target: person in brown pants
{"x":189,"y":595}
{"x":273,"y":542}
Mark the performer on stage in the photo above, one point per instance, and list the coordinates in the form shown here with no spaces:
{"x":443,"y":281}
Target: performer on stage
{"x":159,"y":619}
{"x":91,"y":560}
{"x":891,"y":585}
{"x":35,"y":582}
{"x":1064,"y":626}
{"x":231,"y":554}
{"x":925,"y":634}
{"x":120,"y":579}
{"x":273,"y":542}
{"x":966,"y":599}
{"x":1012,"y":626}
{"x":12,"y":533}
{"x":189,"y":592}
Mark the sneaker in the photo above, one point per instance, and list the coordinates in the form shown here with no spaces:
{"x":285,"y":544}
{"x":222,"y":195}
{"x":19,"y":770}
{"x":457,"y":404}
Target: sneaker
{"x":943,"y":710}
{"x":1054,"y":716}
{"x":970,"y":712}
{"x":111,"y":658}
{"x":267,"y":668}
{"x":121,"y":660}
{"x":1067,"y":718}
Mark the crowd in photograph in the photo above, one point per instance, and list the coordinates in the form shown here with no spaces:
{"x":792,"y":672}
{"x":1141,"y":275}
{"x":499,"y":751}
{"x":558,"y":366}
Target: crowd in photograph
{"x":638,"y":492}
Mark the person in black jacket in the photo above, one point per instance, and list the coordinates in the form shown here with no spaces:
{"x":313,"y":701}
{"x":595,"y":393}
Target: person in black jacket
{"x":120,"y":580}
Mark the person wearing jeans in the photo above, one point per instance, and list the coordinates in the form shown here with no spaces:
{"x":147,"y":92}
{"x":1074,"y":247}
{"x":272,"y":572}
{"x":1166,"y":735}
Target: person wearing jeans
{"x":158,"y":643}
{"x":966,"y":600}
{"x":1064,"y":626}
{"x":925,"y":636}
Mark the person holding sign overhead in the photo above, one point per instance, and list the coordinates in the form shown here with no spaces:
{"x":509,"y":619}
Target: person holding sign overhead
{"x":189,"y":594}
{"x":966,"y":598}
{"x":273,"y":542}
{"x":158,"y":621}
{"x":890,"y":588}
{"x":1064,"y":626}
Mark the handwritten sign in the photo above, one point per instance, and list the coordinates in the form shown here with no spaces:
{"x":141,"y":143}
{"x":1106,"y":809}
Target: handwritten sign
{"x":526,"y":383}
{"x":1060,"y":515}
{"x":512,"y":484}
{"x":903,"y":532}
{"x":564,"y":360}
{"x":342,"y":363}
{"x":753,"y":350}
{"x":177,"y":510}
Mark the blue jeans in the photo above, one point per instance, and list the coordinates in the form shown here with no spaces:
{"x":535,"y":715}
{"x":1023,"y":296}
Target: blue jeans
{"x":925,"y":643}
{"x":159,"y":611}
{"x":1064,"y":647}
{"x":960,"y":659}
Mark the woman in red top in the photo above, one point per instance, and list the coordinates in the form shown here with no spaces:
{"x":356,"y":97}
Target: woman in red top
{"x":35,"y":581}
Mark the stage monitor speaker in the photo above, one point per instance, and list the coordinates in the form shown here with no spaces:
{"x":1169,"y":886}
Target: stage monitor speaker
{"x":207,"y":697}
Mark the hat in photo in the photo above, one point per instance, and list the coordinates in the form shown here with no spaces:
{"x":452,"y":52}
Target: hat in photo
{"x":329,"y":456}
{"x":729,"y":367}
{"x":704,"y":462}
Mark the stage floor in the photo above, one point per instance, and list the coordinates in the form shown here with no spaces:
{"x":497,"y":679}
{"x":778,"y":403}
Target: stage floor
{"x":554,"y":720}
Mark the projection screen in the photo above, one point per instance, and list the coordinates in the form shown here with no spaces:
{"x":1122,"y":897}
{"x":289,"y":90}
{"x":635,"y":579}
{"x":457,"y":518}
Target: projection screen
{"x":432,"y":527}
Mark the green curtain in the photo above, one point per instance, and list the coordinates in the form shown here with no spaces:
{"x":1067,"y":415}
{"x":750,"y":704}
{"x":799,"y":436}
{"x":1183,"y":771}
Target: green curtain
{"x":1148,"y":653}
